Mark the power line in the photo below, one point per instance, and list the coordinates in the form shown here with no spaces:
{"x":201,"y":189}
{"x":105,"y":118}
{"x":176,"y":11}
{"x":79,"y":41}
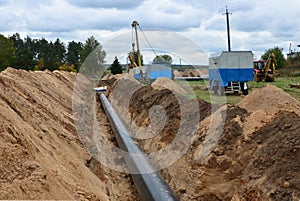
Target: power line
{"x":147,"y":40}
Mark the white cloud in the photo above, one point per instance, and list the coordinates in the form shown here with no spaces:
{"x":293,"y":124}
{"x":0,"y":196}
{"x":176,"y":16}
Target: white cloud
{"x":255,"y":25}
{"x":119,"y":4}
{"x":160,"y":42}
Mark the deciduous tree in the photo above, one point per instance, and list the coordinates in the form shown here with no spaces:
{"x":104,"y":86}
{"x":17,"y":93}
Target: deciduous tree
{"x":90,"y":44}
{"x":7,"y":52}
{"x":279,"y":58}
{"x":163,"y":58}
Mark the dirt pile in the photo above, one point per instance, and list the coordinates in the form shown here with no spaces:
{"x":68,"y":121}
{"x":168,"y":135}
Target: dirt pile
{"x":165,"y":83}
{"x":164,"y":95}
{"x":263,"y":104}
{"x":270,"y":99}
{"x":254,"y":157}
{"x":191,"y":73}
{"x":246,"y":152}
{"x":274,"y":169}
{"x":41,"y":155}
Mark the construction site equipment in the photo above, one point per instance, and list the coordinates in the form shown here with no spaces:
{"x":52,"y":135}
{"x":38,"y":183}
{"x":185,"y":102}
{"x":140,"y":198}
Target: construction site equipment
{"x":230,"y":71}
{"x":295,"y":85}
{"x":146,"y":73}
{"x":148,"y":181}
{"x":265,"y":70}
{"x":131,"y":55}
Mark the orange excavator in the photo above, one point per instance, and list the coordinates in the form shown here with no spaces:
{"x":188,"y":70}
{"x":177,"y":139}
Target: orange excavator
{"x":265,"y":70}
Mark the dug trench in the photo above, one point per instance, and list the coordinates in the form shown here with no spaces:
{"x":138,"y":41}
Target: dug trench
{"x":41,"y":155}
{"x":255,"y":158}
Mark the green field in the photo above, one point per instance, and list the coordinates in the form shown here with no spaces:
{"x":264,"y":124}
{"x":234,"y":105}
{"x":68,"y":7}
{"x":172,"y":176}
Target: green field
{"x":201,"y":91}
{"x":283,"y":83}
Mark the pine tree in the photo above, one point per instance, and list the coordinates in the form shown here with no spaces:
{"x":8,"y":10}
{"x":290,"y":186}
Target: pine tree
{"x":116,"y":67}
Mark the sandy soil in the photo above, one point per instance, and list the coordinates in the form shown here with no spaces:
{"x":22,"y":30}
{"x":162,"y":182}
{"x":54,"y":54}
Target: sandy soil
{"x":254,"y":157}
{"x":191,"y":73}
{"x":41,"y":155}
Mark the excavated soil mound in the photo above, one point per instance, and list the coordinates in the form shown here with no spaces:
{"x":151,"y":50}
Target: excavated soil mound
{"x":275,"y":166}
{"x":191,"y":73}
{"x":255,"y":157}
{"x":270,"y":99}
{"x":41,"y":157}
{"x":148,"y":97}
{"x":166,"y":83}
{"x":111,"y":76}
{"x":135,"y":103}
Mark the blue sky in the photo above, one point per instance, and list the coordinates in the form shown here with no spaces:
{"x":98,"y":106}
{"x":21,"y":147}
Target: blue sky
{"x":255,"y":25}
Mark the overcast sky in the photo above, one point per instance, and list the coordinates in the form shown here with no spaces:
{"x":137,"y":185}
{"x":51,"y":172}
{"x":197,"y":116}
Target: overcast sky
{"x":256,"y":25}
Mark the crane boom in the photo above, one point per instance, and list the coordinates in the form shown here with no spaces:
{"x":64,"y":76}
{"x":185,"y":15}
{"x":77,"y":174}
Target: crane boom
{"x":134,"y":25}
{"x":131,"y":55}
{"x":145,"y":73}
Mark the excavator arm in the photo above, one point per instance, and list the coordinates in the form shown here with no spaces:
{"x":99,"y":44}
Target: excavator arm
{"x":270,"y":69}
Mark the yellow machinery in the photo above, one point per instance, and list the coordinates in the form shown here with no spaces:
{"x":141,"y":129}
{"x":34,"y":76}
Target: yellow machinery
{"x":265,"y":70}
{"x":134,"y":25}
{"x":146,"y":73}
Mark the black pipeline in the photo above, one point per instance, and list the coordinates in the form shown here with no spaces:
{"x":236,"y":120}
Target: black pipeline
{"x":147,"y":180}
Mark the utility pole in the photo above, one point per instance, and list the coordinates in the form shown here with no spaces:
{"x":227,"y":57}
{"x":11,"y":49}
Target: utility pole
{"x":228,"y":29}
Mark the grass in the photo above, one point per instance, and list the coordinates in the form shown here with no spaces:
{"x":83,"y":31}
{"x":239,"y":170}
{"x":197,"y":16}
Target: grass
{"x":200,"y":89}
{"x":282,"y":83}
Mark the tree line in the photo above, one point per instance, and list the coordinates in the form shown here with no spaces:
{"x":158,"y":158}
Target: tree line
{"x":41,"y":54}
